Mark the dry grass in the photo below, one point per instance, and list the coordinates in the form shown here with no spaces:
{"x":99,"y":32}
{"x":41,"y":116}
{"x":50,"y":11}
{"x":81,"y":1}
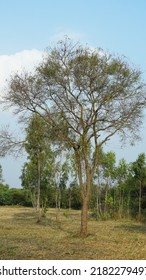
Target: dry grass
{"x":22,"y":238}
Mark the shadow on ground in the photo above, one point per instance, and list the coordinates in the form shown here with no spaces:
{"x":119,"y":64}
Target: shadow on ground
{"x":140,"y":228}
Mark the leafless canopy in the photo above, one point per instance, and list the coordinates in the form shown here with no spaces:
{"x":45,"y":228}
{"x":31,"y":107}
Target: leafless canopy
{"x":10,"y":144}
{"x":91,"y":93}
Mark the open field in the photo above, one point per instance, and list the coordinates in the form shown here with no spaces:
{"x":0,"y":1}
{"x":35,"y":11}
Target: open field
{"x":22,"y":238}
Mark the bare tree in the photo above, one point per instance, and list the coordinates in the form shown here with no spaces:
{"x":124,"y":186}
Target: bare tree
{"x":9,"y":143}
{"x":85,"y":96}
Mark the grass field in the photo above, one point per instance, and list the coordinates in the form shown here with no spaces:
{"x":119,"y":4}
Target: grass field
{"x":22,"y":238}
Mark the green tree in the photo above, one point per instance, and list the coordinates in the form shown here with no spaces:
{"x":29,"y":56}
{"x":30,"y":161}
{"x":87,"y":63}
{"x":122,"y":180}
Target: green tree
{"x":122,"y":174}
{"x":62,"y":175}
{"x":39,"y":169}
{"x":139,"y":169}
{"x":102,"y":201}
{"x":108,"y":165}
{"x":86,"y":96}
{"x":97,"y":184}
{"x":74,"y":196}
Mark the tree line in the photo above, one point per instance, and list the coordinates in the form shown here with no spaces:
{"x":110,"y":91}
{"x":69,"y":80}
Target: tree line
{"x":82,"y":97}
{"x":49,"y":179}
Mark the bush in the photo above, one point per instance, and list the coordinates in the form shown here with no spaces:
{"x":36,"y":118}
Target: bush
{"x":14,"y":197}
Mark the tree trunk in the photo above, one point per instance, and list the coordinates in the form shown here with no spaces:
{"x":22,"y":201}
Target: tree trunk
{"x":58,"y":203}
{"x":85,"y":185}
{"x":122,"y":203}
{"x":114,"y":201}
{"x":38,"y":190}
{"x":128,"y":205}
{"x":105,"y":201}
{"x":70,"y":201}
{"x":139,"y":204}
{"x":120,"y":199}
{"x":97,"y":203}
{"x":33,"y":198}
{"x":84,"y":216}
{"x":44,"y":207}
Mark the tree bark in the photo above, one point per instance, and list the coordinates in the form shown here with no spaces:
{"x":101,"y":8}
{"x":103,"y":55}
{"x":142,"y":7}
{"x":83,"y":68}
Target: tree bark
{"x":58,"y":203}
{"x":97,"y":203}
{"x":38,"y":190}
{"x":85,"y":185}
{"x":128,"y":204}
{"x":105,"y":200}
{"x":120,"y":204}
{"x":70,"y":201}
{"x":139,"y":203}
{"x":84,"y":216}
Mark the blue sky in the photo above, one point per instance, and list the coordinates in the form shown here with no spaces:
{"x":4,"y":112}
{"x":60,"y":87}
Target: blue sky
{"x":27,"y":27}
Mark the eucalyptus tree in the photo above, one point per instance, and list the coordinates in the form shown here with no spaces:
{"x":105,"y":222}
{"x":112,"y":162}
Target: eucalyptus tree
{"x":97,"y":185}
{"x":86,"y":96}
{"x":139,"y":169}
{"x":108,"y":165}
{"x":122,"y":176}
{"x":39,"y":171}
{"x":103,"y":181}
{"x":64,"y":177}
{"x":61,"y":178}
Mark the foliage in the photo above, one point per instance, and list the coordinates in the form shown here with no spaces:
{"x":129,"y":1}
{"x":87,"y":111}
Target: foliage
{"x":84,"y":96}
{"x":126,"y":196}
{"x":13,"y":196}
{"x":38,"y":173}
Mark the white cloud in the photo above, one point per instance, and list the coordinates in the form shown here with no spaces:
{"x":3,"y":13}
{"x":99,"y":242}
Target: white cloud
{"x":9,"y":64}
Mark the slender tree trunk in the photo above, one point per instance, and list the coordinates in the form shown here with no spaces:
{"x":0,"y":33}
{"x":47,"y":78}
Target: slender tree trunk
{"x":128,"y":205}
{"x":38,"y":190}
{"x":70,"y":201}
{"x":122,"y":203}
{"x":33,"y":198}
{"x":85,"y":206}
{"x":114,"y":199}
{"x":84,"y":216}
{"x":58,"y":202}
{"x":97,"y":203}
{"x":120,"y":199}
{"x":139,"y":206}
{"x":44,"y":207}
{"x":105,"y":201}
{"x":85,"y":186}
